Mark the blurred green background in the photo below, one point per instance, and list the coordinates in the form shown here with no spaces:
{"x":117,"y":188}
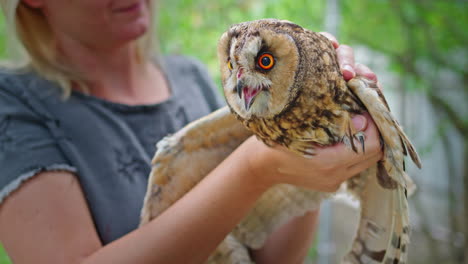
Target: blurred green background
{"x":418,"y":49}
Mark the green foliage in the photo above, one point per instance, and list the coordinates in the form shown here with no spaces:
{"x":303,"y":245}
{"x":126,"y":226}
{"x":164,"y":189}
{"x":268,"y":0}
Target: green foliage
{"x":424,"y":40}
{"x":2,"y":37}
{"x":409,"y":31}
{"x":4,"y":259}
{"x":390,"y":24}
{"x":194,"y":27}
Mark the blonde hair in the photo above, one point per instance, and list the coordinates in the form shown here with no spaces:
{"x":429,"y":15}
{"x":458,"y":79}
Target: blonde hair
{"x":30,"y":44}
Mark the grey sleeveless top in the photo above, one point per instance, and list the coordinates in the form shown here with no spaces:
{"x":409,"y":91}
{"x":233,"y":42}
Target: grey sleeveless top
{"x":108,"y":145}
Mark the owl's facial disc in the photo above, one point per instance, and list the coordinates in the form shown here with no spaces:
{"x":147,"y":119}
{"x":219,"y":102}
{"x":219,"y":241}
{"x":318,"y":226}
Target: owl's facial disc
{"x":258,"y":69}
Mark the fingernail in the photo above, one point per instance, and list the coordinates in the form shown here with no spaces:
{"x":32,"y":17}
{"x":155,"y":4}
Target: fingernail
{"x":348,"y":72}
{"x":372,"y":76}
{"x":362,"y":69}
{"x":359,"y":122}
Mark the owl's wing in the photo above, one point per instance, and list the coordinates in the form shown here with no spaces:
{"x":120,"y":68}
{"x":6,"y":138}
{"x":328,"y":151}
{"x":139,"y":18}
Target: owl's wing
{"x":383,"y":233}
{"x":274,"y":208}
{"x":396,"y":143}
{"x":230,"y":251}
{"x":184,"y":158}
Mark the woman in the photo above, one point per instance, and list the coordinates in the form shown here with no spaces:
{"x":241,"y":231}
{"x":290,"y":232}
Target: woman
{"x":74,"y":170}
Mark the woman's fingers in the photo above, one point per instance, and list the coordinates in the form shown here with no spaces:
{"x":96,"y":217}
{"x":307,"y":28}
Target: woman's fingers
{"x":331,"y":38}
{"x":346,"y":60}
{"x":332,"y":164}
{"x":362,"y":165}
{"x":333,"y":156}
{"x":363,"y":70}
{"x":372,"y":136}
{"x":359,"y":122}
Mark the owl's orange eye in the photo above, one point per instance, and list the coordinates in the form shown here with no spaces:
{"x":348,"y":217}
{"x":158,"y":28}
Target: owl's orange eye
{"x":229,"y":64}
{"x":266,"y":61}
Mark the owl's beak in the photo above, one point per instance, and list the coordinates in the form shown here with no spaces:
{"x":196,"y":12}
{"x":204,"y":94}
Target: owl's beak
{"x":240,"y":90}
{"x":248,"y":103}
{"x":248,"y":93}
{"x":239,"y":87}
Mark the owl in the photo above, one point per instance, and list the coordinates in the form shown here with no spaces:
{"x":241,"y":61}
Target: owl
{"x":283,"y":84}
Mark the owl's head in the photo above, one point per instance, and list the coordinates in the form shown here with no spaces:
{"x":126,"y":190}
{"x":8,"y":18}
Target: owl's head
{"x":259,"y":62}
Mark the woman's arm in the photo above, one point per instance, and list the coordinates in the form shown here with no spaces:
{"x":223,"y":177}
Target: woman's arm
{"x":290,"y":243}
{"x":47,"y":219}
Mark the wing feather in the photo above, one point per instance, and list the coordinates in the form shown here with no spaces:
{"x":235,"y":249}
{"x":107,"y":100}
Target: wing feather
{"x":184,"y":158}
{"x":391,"y":132}
{"x":383,"y":232}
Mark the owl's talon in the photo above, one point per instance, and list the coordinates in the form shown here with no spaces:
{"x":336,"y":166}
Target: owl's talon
{"x":309,"y":153}
{"x":361,"y":137}
{"x":349,"y":143}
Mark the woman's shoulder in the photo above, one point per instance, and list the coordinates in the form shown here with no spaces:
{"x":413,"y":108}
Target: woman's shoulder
{"x":10,"y":77}
{"x":12,"y":82}
{"x":20,"y":79}
{"x":24,"y":82}
{"x":21,"y":92}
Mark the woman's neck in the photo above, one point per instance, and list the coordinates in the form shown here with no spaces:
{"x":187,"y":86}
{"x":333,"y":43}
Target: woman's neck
{"x":117,"y":74}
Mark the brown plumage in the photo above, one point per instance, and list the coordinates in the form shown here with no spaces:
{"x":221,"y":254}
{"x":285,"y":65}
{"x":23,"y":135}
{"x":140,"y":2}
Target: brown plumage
{"x":304,"y":95}
{"x":284,"y":84}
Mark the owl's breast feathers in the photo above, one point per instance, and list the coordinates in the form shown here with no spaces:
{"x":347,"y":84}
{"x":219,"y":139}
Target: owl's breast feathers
{"x":319,"y":116}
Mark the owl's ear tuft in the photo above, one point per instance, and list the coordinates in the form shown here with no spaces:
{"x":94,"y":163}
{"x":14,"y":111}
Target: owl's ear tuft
{"x":223,"y":44}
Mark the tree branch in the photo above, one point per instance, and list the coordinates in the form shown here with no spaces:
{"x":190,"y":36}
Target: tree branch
{"x":457,"y":121}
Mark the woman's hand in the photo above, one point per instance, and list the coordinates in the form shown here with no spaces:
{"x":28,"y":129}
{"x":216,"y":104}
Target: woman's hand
{"x":325,"y":171}
{"x":348,"y":67}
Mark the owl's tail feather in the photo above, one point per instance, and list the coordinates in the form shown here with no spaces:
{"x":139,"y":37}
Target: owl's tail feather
{"x":383,"y":233}
{"x":408,"y":145}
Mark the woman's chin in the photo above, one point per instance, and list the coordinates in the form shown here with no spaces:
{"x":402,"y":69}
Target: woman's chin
{"x":133,"y":32}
